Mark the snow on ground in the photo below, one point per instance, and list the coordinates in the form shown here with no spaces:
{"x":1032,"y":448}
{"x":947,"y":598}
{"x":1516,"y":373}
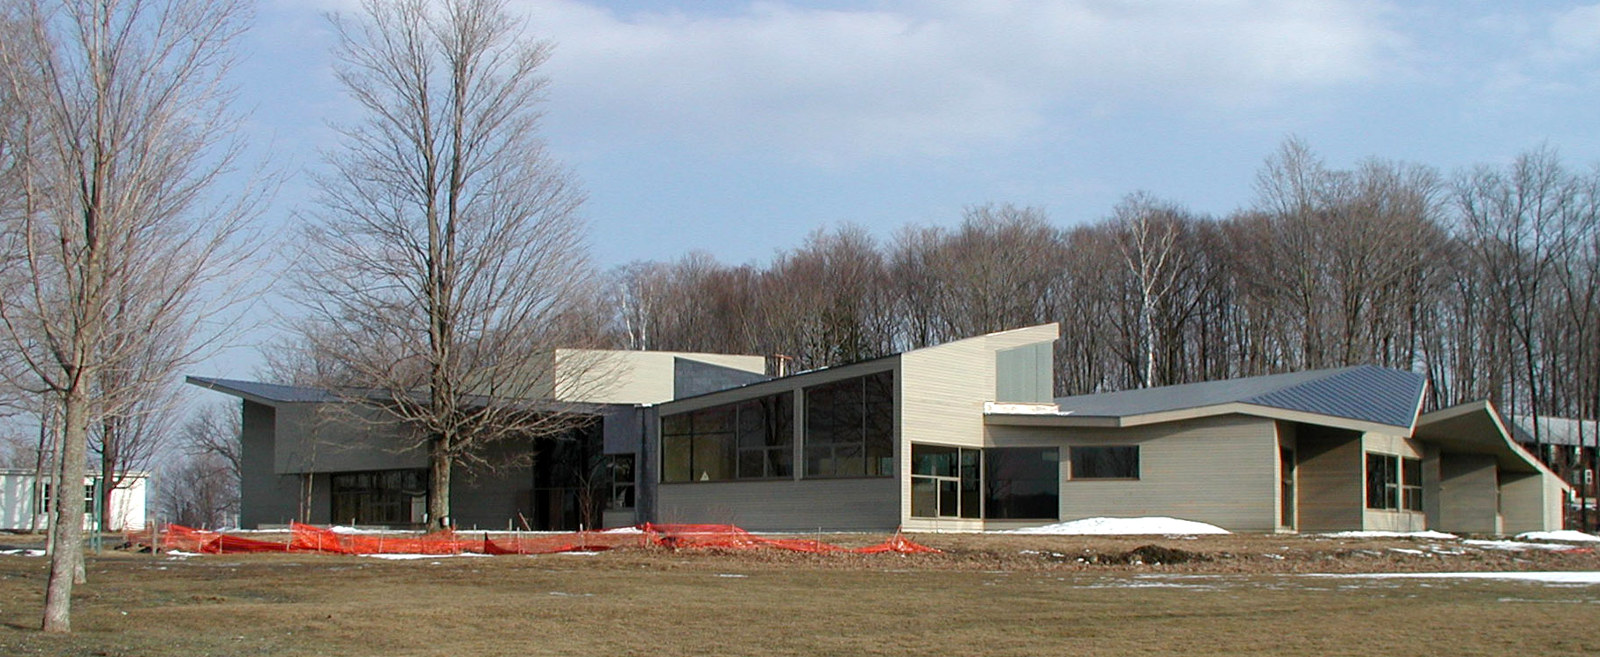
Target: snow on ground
{"x":1514,"y":546}
{"x":1564,"y":535}
{"x":1123,"y":526}
{"x":1548,"y":577}
{"x":23,"y":553}
{"x":412,"y":557}
{"x":1427,"y":534}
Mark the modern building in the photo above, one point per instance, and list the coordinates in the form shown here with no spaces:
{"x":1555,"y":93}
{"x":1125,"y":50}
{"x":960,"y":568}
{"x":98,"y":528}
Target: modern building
{"x":316,"y":456}
{"x":963,"y":436}
{"x":967,"y":436}
{"x":25,"y":501}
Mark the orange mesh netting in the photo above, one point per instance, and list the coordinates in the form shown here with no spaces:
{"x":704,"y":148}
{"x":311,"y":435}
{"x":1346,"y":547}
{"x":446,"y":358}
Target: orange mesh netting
{"x":308,"y":538}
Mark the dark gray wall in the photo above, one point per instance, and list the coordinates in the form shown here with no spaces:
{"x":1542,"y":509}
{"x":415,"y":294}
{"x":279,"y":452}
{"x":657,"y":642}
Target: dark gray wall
{"x":265,"y":497}
{"x":692,"y":377}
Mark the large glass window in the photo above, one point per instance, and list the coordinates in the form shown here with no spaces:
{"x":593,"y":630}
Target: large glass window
{"x":850,"y":427}
{"x":1023,"y":483}
{"x":749,"y":440}
{"x":1105,"y":462}
{"x":766,"y":437}
{"x":1383,"y":481}
{"x":622,"y":488}
{"x":387,"y":497}
{"x":945,"y":482}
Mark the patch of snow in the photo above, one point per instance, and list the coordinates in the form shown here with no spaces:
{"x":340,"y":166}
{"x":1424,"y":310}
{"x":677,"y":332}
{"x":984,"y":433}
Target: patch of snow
{"x":1515,"y":546}
{"x":1545,"y":577}
{"x":410,"y":557}
{"x":732,"y":575}
{"x":1407,"y":551}
{"x":623,"y":530}
{"x":181,"y":554}
{"x":22,"y":552}
{"x":1374,"y":534}
{"x":1566,"y":535}
{"x":1121,"y":527}
{"x":1015,"y":408}
{"x":580,"y":553}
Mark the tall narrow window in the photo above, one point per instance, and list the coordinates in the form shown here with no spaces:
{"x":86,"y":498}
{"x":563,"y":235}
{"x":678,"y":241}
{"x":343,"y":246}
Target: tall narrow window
{"x":1411,"y":484}
{"x":1383,"y":481}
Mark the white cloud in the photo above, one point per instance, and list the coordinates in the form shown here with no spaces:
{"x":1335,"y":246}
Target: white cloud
{"x":921,"y":78}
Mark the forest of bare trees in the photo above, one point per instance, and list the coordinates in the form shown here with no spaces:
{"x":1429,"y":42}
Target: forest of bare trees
{"x":1484,"y":279}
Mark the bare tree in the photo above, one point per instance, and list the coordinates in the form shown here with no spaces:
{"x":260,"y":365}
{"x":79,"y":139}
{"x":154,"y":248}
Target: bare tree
{"x":446,"y":262}
{"x":216,"y":430}
{"x":126,"y":129}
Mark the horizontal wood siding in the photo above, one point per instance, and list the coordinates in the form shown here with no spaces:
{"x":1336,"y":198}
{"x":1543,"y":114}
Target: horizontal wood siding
{"x":942,"y":392}
{"x":1330,"y":478}
{"x":1529,"y":503}
{"x":1467,"y":494}
{"x":866,"y":504}
{"x":1221,"y":471}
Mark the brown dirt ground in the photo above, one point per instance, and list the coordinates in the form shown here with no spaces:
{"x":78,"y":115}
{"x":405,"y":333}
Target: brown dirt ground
{"x":986,"y":595}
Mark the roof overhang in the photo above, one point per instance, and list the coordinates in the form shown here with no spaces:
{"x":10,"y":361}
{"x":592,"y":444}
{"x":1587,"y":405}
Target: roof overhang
{"x":1476,"y":428}
{"x":1037,"y":415}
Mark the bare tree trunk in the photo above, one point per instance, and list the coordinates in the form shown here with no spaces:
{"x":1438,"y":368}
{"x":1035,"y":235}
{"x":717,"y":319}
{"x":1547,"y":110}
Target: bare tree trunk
{"x":66,"y":524}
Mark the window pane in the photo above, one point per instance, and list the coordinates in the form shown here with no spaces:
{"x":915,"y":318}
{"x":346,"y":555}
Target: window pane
{"x":948,"y":498}
{"x":1105,"y":462}
{"x":933,"y":460}
{"x":714,"y":456}
{"x":675,"y":458}
{"x":1024,"y":482}
{"x":924,"y":497}
{"x":1412,"y":472}
{"x":1383,"y":477}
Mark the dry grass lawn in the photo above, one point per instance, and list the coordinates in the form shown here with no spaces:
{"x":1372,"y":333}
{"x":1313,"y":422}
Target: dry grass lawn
{"x":987,"y":596}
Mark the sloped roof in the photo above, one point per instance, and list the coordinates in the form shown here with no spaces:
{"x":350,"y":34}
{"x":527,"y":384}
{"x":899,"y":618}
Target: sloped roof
{"x":266,"y":393}
{"x":1555,"y":430}
{"x":1363,"y":393}
{"x":1476,"y":428}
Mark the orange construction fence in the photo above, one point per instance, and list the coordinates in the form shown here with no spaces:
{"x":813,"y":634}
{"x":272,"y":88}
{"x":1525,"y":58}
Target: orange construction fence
{"x":308,"y":538}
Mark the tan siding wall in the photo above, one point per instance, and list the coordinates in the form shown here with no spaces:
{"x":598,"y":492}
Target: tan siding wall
{"x":942,"y":391}
{"x":807,"y":505}
{"x":1330,"y":478}
{"x":632,"y":377}
{"x":1221,"y":471}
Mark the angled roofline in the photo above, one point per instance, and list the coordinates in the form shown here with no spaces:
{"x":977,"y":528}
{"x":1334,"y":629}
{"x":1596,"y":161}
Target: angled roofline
{"x":1070,"y":419}
{"x":1294,"y":396}
{"x":1511,"y":448}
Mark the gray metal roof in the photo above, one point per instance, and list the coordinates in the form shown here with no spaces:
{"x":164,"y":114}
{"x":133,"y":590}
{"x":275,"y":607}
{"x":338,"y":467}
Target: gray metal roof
{"x":1364,"y":392}
{"x":264,"y":392}
{"x":1555,"y":430}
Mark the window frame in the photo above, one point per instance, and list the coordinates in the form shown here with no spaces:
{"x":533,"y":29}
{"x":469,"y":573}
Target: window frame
{"x":965,"y":479}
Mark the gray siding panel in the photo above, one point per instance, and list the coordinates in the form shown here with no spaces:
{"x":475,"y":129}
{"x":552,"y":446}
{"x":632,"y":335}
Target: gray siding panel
{"x":1024,"y":374}
{"x":784,"y":505}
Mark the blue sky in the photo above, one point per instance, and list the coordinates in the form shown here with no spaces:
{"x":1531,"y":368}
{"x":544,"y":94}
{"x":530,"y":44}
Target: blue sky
{"x":737,"y":128}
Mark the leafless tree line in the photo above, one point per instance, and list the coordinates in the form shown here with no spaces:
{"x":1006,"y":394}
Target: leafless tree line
{"x":1485,"y":280}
